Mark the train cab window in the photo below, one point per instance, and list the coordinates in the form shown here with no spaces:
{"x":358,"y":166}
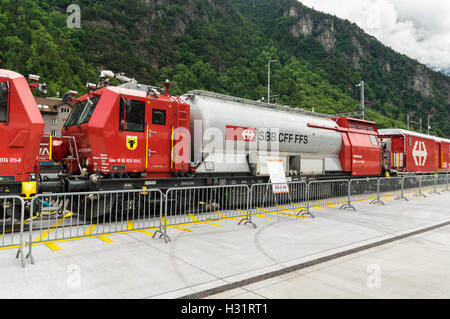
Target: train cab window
{"x":82,"y":111}
{"x":374,"y":140}
{"x":3,"y":102}
{"x":75,"y":115}
{"x":410,"y":142}
{"x":132,"y":115}
{"x":159,"y":117}
{"x":89,"y":107}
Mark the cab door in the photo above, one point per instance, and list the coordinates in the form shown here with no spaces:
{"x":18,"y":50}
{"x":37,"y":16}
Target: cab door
{"x":159,"y":137}
{"x":132,"y":141}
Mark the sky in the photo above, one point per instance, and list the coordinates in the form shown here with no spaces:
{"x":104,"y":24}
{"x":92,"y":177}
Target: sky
{"x":418,"y":28}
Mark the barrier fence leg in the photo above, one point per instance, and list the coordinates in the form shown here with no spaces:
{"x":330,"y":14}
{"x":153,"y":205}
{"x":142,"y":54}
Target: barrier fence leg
{"x":420,"y":194}
{"x":306,"y":210}
{"x":349,"y":198}
{"x":378,"y":199}
{"x":248,"y":217}
{"x":30,"y":232}
{"x":402,"y":196}
{"x":20,"y":250}
{"x":163,"y":221}
{"x":435,"y":191}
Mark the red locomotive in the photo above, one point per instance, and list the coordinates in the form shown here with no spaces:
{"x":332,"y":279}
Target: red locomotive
{"x":134,"y":136}
{"x":21,"y":128}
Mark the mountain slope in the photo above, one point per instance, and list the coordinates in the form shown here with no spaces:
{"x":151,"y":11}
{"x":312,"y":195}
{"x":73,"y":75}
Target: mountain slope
{"x":224,"y":46}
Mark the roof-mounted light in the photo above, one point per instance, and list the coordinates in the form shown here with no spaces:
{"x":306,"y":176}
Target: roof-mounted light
{"x":91,"y":86}
{"x":34,"y":77}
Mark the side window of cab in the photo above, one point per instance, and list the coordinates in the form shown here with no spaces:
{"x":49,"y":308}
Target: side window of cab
{"x":132,"y":115}
{"x":4,"y":102}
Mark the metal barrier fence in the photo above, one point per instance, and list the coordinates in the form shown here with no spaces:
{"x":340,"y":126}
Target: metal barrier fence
{"x":428,"y":183}
{"x":206,"y":204}
{"x":12,"y":210}
{"x":412,"y":186}
{"x":362,"y":189}
{"x":75,"y":215}
{"x":391,"y":187}
{"x":328,"y":193}
{"x":442,"y":180}
{"x":53,"y":217}
{"x":294,"y":197}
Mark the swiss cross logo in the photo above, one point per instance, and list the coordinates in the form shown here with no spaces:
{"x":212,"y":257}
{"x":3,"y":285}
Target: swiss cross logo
{"x":420,"y":153}
{"x":237,"y":133}
{"x":248,"y":135}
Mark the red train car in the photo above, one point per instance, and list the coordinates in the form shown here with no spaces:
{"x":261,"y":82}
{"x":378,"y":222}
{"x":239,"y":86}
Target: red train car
{"x":125,"y":132}
{"x":361,"y":152}
{"x":21,"y":127}
{"x":406,"y":151}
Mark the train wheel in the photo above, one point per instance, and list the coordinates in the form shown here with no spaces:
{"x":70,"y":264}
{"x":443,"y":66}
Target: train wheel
{"x":11,"y":209}
{"x":131,"y":206}
{"x":92,"y":207}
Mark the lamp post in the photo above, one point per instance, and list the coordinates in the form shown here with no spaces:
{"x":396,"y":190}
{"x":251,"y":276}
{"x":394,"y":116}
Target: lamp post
{"x":268,"y":79}
{"x":362,"y":99}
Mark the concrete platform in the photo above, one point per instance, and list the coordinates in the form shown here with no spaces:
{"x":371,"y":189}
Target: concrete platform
{"x":412,"y":268}
{"x":204,"y":256}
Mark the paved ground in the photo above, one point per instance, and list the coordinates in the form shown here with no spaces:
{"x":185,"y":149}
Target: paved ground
{"x":417,"y":267}
{"x":204,"y":256}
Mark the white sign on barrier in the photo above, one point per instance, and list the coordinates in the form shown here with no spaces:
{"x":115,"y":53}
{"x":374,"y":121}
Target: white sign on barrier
{"x":277,"y":176}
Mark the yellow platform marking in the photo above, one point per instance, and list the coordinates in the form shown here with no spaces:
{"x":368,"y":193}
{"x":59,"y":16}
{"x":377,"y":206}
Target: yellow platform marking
{"x":52,"y":228}
{"x":90,"y":229}
{"x":213,"y":224}
{"x":147,"y":233}
{"x":176,"y":226}
{"x":282,"y":212}
{"x":319,"y":204}
{"x":204,"y":221}
{"x":78,"y":238}
{"x":317,"y":207}
{"x":242,"y":211}
{"x":7,"y":231}
{"x":182,"y":228}
{"x":291,"y":215}
{"x":288,"y":209}
{"x":327,"y":202}
{"x":53,"y":246}
{"x":225,"y":217}
{"x":67,"y":212}
{"x":105,"y":239}
{"x":260,"y":215}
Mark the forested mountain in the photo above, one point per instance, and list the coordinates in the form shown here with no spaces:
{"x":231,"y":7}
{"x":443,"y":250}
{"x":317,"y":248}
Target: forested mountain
{"x":224,"y":46}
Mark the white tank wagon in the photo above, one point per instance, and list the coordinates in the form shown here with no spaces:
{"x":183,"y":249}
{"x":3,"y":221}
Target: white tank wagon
{"x":235,"y":135}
